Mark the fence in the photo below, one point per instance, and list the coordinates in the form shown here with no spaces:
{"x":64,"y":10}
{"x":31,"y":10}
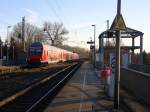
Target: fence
{"x":142,"y":68}
{"x":137,"y":83}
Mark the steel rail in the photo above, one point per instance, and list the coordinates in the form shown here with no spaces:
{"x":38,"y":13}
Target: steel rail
{"x":51,"y":90}
{"x":22,"y":92}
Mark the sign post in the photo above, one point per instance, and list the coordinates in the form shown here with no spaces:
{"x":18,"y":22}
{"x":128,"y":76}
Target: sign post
{"x":117,"y":72}
{"x":91,"y":49}
{"x":117,"y":25}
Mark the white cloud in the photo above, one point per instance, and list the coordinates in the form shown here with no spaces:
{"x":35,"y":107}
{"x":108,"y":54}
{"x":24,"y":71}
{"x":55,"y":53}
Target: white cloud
{"x":32,"y":16}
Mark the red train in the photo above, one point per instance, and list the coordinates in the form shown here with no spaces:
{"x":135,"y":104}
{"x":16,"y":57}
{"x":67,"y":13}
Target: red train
{"x":44,"y":53}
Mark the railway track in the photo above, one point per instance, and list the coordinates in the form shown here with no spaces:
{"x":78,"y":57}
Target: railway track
{"x":20,"y":71}
{"x":24,"y":79}
{"x":40,"y":94}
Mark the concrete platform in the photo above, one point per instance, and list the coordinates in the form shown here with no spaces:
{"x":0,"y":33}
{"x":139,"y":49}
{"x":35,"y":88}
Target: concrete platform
{"x":83,"y":93}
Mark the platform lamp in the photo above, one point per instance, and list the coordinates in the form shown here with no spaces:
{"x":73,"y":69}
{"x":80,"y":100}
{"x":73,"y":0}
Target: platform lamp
{"x":8,"y":41}
{"x":94,"y":44}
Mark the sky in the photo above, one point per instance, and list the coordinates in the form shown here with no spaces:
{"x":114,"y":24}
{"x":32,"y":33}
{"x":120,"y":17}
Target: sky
{"x":77,"y":16}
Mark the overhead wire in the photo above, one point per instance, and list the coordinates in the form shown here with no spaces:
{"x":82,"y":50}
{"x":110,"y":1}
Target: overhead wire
{"x":63,"y":14}
{"x":55,"y":7}
{"x":53,"y":10}
{"x":60,"y":3}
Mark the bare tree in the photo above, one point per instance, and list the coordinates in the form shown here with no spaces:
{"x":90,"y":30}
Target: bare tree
{"x":39,"y":37}
{"x":56,"y":32}
{"x":30,"y":30}
{"x":12,"y":41}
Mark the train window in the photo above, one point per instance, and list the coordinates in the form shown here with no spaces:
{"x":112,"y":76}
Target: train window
{"x":38,"y":51}
{"x":32,"y":50}
{"x":35,"y":51}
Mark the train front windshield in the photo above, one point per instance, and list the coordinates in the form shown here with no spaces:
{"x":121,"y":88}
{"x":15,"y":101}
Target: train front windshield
{"x":35,"y":50}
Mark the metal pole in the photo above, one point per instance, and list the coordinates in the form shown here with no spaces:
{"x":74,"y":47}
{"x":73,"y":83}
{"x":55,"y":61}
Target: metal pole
{"x":23,"y":30}
{"x":107,"y":39}
{"x":117,"y":70}
{"x":94,"y":46}
{"x":8,"y":43}
{"x":8,"y":34}
{"x":13,"y":53}
{"x":102,"y":50}
{"x":133,"y":38}
{"x":94,"y":49}
{"x":107,"y":24}
{"x":7,"y":46}
{"x":1,"y":54}
{"x":119,"y":7}
{"x":7,"y":54}
{"x":141,"y":49}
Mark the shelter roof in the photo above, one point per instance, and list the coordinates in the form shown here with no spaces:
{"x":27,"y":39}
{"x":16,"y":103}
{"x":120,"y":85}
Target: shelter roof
{"x":129,"y":33}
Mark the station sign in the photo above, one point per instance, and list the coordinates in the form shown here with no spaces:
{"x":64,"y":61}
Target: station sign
{"x":118,"y":23}
{"x":90,"y":42}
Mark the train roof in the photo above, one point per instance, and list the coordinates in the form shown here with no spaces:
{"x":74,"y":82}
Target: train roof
{"x":41,"y":44}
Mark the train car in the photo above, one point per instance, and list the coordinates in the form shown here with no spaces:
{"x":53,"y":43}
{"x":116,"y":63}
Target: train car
{"x":43,"y":53}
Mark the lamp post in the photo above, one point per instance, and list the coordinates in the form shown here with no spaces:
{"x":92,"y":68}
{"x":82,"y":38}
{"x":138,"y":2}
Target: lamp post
{"x":8,"y":41}
{"x":1,"y":51}
{"x":23,"y":34}
{"x":94,"y":43}
{"x":8,"y":33}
